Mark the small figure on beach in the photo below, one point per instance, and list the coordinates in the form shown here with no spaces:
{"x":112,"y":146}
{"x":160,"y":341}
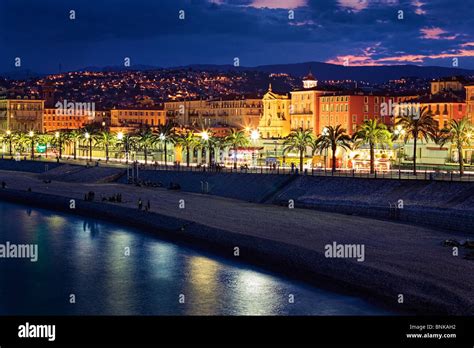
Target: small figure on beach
{"x":140,"y":204}
{"x":148,"y":205}
{"x":4,"y":184}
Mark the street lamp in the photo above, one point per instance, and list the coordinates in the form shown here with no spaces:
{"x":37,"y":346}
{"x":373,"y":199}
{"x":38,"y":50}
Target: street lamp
{"x":58,"y":138}
{"x":325,"y":133}
{"x":31,"y":135}
{"x":88,"y":137}
{"x":205,"y":137}
{"x":9,"y":133}
{"x":399,"y":132}
{"x":254,"y":136}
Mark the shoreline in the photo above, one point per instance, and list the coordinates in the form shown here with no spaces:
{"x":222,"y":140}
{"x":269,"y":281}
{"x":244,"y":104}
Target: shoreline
{"x":293,"y":261}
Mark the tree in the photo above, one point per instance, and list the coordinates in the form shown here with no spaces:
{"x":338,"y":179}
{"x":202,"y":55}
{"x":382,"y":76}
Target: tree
{"x":421,"y":126}
{"x":236,"y":139}
{"x":299,"y":140}
{"x":166,"y":135}
{"x":145,"y":141}
{"x":332,"y":138}
{"x":106,"y":139}
{"x":46,"y":139}
{"x":459,"y":133}
{"x":188,"y":141}
{"x":74,"y":137}
{"x":373,"y":133}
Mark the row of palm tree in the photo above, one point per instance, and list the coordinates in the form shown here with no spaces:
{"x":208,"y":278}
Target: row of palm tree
{"x":373,"y":133}
{"x":145,"y":139}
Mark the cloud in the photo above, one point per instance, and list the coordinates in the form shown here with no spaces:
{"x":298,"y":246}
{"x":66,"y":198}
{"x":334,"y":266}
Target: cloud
{"x":278,"y":4}
{"x":436,"y":34}
{"x":418,"y":7}
{"x":370,"y":56}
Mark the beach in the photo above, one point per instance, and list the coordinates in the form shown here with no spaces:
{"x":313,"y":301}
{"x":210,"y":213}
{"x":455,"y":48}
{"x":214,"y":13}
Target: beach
{"x":400,"y":259}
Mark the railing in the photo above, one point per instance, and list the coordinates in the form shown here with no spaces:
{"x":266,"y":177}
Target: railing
{"x":394,"y":174}
{"x":426,"y":175}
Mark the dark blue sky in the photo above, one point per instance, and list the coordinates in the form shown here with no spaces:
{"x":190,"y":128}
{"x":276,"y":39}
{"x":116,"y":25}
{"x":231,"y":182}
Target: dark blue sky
{"x":258,"y":32}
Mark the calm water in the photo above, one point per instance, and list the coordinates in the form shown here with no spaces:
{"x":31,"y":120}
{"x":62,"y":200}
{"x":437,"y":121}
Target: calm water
{"x":87,"y":258}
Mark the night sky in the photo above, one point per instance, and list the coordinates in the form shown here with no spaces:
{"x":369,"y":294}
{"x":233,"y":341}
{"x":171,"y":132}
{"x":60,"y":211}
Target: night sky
{"x":258,"y":32}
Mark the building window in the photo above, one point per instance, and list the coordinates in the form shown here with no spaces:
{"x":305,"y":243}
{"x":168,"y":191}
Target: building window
{"x":376,"y":100}
{"x":366,"y":100}
{"x":366,"y":108}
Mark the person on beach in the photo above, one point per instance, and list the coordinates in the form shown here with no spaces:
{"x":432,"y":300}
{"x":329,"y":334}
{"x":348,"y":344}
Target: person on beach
{"x":148,"y":205}
{"x":4,"y":184}
{"x":140,"y":204}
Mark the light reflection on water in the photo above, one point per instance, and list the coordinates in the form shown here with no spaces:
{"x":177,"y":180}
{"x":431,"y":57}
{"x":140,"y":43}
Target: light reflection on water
{"x":88,"y":258}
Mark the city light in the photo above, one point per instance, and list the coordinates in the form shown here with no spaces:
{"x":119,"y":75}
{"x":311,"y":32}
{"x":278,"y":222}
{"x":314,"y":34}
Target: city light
{"x":87,"y":135}
{"x":120,"y":135}
{"x":9,"y":132}
{"x":162,"y":137}
{"x":255,"y":135}
{"x":31,"y":133}
{"x":205,"y":136}
{"x":56,"y":135}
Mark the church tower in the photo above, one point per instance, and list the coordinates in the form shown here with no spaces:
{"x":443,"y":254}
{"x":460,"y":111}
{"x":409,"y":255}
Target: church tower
{"x":309,"y":81}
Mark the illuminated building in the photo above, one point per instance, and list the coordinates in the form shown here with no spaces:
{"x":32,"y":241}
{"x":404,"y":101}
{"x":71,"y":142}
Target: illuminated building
{"x":123,"y":117}
{"x":60,"y":119}
{"x":444,"y":107}
{"x":275,"y":122}
{"x":21,"y":114}
{"x":237,"y":112}
{"x":470,"y":101}
{"x":305,"y":105}
{"x":446,"y":84}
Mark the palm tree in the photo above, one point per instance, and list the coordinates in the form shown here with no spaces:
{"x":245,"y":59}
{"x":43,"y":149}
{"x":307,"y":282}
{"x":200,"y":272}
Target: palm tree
{"x":166,"y":134}
{"x":8,"y":137}
{"x":332,"y":138}
{"x":21,"y":141}
{"x":459,"y":133}
{"x":373,"y":133}
{"x":188,"y":141}
{"x":422,"y":127}
{"x":236,"y":139}
{"x":106,"y":139}
{"x":299,"y":140}
{"x":74,"y":137}
{"x":146,"y":140}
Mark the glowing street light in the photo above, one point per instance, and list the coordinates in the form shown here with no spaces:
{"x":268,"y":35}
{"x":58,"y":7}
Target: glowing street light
{"x":58,"y":137}
{"x":399,"y":132}
{"x":325,"y":133}
{"x":88,"y":137}
{"x":205,"y":136}
{"x":120,"y":135}
{"x":255,"y":135}
{"x":31,"y":134}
